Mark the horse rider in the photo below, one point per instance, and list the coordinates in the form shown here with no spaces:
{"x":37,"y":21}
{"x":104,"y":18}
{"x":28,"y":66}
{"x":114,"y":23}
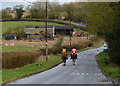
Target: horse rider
{"x":64,"y":55}
{"x":74,"y":55}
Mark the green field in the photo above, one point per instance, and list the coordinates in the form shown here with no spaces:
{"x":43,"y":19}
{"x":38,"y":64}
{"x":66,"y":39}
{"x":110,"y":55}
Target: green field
{"x":19,"y":48}
{"x":12,"y":24}
{"x":110,"y":69}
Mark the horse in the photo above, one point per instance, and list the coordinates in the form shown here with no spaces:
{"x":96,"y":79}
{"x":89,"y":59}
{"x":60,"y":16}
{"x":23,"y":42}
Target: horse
{"x":64,"y":58}
{"x":74,"y":57}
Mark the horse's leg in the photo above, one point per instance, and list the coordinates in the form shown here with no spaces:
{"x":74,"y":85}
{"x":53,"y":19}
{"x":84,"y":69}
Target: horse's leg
{"x":73,"y":61}
{"x":64,"y":62}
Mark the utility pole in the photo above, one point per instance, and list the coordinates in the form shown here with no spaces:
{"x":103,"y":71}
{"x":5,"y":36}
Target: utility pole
{"x":70,"y":35}
{"x":46,"y":25}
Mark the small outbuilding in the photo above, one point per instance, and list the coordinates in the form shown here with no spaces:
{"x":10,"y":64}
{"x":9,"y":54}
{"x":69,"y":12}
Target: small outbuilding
{"x":64,"y":30}
{"x":10,"y":37}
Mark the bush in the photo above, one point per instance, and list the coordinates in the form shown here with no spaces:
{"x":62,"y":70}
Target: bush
{"x":12,"y":60}
{"x":113,"y":42}
{"x":18,"y":31}
{"x":6,"y":14}
{"x":96,"y":38}
{"x":77,"y":46}
{"x":57,"y":47}
{"x":56,"y":50}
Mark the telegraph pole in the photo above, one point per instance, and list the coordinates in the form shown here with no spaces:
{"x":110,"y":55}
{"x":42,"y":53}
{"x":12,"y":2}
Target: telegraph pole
{"x":46,"y":25}
{"x":70,"y":34}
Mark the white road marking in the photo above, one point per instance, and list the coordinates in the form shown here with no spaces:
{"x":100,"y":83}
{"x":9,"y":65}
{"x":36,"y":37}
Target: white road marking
{"x":78,"y":73}
{"x":82,"y":73}
{"x":95,"y":74}
{"x":86,"y":74}
{"x":72,"y":73}
{"x":99,"y":74}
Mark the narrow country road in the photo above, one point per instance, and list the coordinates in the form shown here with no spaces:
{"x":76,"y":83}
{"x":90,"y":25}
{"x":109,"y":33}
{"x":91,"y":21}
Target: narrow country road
{"x":85,"y":71}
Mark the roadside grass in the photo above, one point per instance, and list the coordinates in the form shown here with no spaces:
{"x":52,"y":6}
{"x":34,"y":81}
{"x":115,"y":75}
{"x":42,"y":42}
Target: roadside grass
{"x":19,"y":48}
{"x":12,"y":24}
{"x":13,"y":74}
{"x":109,"y":69}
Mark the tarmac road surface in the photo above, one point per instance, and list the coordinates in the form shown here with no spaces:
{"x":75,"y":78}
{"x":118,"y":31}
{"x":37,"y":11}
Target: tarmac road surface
{"x":86,"y":71}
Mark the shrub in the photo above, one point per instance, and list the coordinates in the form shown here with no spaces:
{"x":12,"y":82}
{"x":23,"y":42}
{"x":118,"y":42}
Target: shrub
{"x":77,"y":46}
{"x":12,"y":60}
{"x":18,"y":31}
{"x":56,"y":50}
{"x":5,"y":14}
{"x":57,"y":47}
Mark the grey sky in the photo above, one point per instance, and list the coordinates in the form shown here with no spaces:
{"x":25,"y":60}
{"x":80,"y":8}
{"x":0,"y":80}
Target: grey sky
{"x":11,"y":3}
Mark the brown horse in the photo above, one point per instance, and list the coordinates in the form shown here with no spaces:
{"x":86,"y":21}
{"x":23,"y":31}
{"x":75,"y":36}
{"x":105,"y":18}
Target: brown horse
{"x":64,"y":58}
{"x":74,"y":57}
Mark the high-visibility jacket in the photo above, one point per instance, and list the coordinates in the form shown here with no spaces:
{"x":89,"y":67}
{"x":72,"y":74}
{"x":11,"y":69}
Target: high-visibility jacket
{"x":64,"y":51}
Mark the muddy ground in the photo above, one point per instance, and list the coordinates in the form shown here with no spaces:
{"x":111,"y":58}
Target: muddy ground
{"x":66,"y":41}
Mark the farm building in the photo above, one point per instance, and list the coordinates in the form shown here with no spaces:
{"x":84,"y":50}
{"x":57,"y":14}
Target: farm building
{"x":52,"y":30}
{"x":38,"y":30}
{"x":63,"y":30}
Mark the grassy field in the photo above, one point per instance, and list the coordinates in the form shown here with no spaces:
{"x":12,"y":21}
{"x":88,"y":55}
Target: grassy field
{"x":12,"y":24}
{"x":110,"y":69}
{"x":19,"y":48}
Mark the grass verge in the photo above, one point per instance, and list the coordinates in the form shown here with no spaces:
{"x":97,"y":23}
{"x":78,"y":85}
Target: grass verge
{"x":109,"y":69}
{"x":13,"y":74}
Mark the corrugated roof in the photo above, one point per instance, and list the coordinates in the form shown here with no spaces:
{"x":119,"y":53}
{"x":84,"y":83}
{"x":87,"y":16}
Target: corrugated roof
{"x":64,"y":27}
{"x":39,"y":26}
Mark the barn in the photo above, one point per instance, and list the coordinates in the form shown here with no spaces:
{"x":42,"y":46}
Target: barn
{"x":37,"y":31}
{"x":32,"y":30}
{"x":63,"y":30}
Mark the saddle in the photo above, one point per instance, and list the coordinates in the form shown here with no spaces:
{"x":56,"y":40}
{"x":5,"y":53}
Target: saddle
{"x":64,"y":56}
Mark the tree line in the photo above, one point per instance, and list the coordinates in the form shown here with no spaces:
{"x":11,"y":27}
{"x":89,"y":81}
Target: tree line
{"x":103,"y":20}
{"x":70,"y":11}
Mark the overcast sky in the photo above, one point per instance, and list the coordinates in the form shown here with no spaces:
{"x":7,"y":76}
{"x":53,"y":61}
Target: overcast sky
{"x":11,"y":3}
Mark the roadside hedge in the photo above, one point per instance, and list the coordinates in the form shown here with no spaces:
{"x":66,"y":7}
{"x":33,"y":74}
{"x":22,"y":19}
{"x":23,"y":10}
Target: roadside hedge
{"x":11,"y":60}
